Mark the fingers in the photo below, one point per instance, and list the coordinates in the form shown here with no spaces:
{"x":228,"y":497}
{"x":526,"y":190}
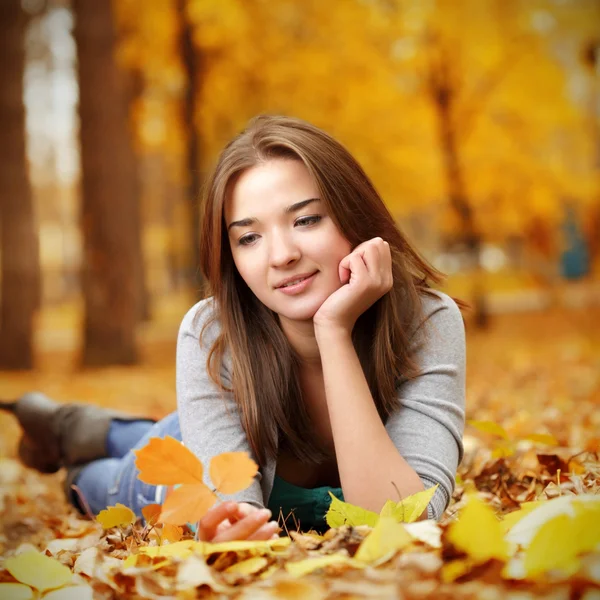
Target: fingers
{"x":376,"y":259}
{"x":208,"y":525}
{"x":246,"y":527}
{"x":268,"y":531}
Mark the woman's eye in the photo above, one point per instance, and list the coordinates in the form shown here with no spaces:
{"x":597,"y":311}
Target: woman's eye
{"x":303,"y":221}
{"x":247,"y":239}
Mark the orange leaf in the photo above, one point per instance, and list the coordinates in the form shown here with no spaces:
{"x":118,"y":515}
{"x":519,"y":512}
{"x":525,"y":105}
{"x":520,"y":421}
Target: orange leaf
{"x":151,"y":512}
{"x":187,"y":504}
{"x":231,"y":472}
{"x":171,"y":533}
{"x":165,"y":461}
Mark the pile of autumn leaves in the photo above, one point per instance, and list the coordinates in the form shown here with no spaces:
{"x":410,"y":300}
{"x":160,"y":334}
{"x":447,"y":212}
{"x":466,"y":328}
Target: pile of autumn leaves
{"x":546,"y":541}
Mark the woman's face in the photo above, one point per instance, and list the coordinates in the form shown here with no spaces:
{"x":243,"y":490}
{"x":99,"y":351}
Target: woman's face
{"x":279,"y":230}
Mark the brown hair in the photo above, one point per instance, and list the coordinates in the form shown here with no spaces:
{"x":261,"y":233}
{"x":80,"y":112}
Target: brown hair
{"x":265,"y":368}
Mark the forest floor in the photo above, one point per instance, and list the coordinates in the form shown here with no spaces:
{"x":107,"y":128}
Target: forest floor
{"x":535,"y":373}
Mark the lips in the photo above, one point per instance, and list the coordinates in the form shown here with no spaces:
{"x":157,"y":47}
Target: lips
{"x":294,"y":279}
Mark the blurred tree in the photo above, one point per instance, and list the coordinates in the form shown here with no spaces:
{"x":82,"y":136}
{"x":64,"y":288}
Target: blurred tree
{"x":191,"y":60}
{"x":20,"y":274}
{"x":110,"y":209}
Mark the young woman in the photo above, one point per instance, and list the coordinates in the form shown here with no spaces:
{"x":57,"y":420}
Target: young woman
{"x":320,"y":350}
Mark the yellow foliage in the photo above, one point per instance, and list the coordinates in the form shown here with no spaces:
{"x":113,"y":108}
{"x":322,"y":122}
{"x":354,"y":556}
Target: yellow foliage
{"x":116,"y":516}
{"x":308,"y":565}
{"x":387,"y":537}
{"x":38,"y":571}
{"x":15,"y":591}
{"x":411,"y":508}
{"x":343,"y":513}
{"x":478,"y":533}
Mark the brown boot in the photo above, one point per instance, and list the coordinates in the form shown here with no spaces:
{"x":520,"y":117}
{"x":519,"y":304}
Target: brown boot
{"x":56,"y":435}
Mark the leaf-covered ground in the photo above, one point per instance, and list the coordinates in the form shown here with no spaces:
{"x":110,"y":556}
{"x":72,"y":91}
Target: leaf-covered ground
{"x":537,"y":376}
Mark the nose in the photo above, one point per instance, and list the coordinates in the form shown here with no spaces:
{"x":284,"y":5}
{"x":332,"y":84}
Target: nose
{"x":283,"y":250}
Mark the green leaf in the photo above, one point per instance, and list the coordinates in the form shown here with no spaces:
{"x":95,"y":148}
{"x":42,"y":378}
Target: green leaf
{"x":343,"y":513}
{"x":409,"y":509}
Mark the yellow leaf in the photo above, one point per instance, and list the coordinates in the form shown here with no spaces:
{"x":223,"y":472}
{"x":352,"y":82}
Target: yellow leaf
{"x":187,"y":504}
{"x":560,"y":540}
{"x":478,"y":533}
{"x":248,"y":566}
{"x":451,"y":571}
{"x":166,"y":461}
{"x":130,"y":561}
{"x":489,"y":427}
{"x":72,"y":592}
{"x":387,"y":537}
{"x":181,"y":549}
{"x":116,"y":516}
{"x":411,"y":508}
{"x":511,"y":519}
{"x":308,"y":565}
{"x":554,"y":546}
{"x":265,"y":546}
{"x":343,"y":513}
{"x":231,"y":472}
{"x":38,"y":571}
{"x":542,"y":438}
{"x":15,"y":591}
{"x":503,"y":450}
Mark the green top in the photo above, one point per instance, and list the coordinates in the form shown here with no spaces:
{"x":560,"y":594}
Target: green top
{"x":308,"y":505}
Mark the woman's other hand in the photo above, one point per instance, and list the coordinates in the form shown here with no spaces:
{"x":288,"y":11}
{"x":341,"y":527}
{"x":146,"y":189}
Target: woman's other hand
{"x":366,"y":275}
{"x":230,"y":521}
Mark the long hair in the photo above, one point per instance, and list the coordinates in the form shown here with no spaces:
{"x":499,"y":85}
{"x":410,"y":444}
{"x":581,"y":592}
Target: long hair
{"x":265,"y":377}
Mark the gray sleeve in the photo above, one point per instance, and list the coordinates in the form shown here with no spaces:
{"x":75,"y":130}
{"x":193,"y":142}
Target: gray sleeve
{"x":209,"y":417}
{"x":428,"y":427}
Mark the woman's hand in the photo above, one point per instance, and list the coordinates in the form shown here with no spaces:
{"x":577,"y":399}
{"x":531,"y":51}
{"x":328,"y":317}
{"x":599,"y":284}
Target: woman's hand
{"x":366,"y":275}
{"x":230,"y":521}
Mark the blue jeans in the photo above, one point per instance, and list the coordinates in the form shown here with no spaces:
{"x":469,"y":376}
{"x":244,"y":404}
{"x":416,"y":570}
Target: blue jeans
{"x":106,"y":481}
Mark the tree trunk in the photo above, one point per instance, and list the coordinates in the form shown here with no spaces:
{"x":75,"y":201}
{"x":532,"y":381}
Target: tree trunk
{"x":190,"y":63}
{"x":443,"y":96}
{"x":18,"y":237}
{"x":110,"y":208}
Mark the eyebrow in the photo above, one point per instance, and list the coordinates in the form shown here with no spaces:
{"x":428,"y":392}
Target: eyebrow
{"x":289,"y":209}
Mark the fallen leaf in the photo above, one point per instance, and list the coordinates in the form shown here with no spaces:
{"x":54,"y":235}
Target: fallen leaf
{"x":38,"y":571}
{"x":308,"y":565}
{"x":194,"y":572}
{"x":489,"y":427}
{"x":542,"y":438}
{"x":15,"y":591}
{"x":231,"y":472}
{"x":187,"y":504}
{"x":411,"y":508}
{"x":428,"y":532}
{"x":478,"y":533}
{"x":116,"y":516}
{"x":171,"y":533}
{"x":249,"y":566}
{"x":387,"y":537}
{"x":72,"y":592}
{"x":166,"y":461}
{"x":343,"y":513}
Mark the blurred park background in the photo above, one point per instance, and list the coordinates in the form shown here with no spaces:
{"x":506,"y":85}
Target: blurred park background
{"x":478,"y":121}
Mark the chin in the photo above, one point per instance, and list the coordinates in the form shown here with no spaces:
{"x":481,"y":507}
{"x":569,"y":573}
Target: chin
{"x":305,"y":311}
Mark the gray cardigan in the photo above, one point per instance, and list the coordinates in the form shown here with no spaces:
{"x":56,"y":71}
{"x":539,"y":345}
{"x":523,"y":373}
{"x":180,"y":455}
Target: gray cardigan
{"x":426,"y":429}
